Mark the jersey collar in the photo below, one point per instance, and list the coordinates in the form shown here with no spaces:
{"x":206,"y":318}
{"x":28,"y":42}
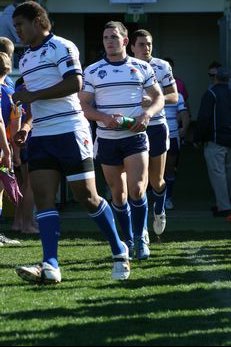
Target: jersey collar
{"x":116,"y":63}
{"x":47,"y":38}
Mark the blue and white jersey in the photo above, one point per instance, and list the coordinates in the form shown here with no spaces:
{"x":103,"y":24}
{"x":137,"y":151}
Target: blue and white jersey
{"x":44,"y":66}
{"x":163,"y":72}
{"x":171,"y":111}
{"x":118,"y":88}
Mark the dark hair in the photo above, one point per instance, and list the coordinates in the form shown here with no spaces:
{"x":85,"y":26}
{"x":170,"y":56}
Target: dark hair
{"x":139,"y":33}
{"x":119,"y":25}
{"x":214,"y":64}
{"x":31,"y":10}
{"x":170,"y":60}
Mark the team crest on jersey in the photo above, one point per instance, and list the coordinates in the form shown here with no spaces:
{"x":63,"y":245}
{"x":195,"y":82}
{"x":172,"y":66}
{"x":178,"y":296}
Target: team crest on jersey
{"x":43,"y":55}
{"x":102,"y":74}
{"x":133,"y":74}
{"x":86,"y":143}
{"x":71,"y":62}
{"x":24,"y":61}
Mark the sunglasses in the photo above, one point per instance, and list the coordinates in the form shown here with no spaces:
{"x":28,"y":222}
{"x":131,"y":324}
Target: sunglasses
{"x":211,"y":74}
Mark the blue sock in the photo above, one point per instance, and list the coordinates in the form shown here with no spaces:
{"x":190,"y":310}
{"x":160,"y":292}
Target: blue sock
{"x":159,"y":200}
{"x":139,"y":209}
{"x":123,"y":214}
{"x":49,"y":228}
{"x":104,"y":218}
{"x":170,"y":180}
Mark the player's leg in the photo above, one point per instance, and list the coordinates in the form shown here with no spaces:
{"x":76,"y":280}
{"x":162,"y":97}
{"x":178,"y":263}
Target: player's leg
{"x":136,"y":167}
{"x":159,"y":144}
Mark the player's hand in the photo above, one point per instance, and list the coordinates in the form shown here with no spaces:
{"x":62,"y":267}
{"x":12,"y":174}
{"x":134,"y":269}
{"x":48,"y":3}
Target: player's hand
{"x":110,"y":121}
{"x":20,"y":138}
{"x":140,"y":124}
{"x":22,"y":97}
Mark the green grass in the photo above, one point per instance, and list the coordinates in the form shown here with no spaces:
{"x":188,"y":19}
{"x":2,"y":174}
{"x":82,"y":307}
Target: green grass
{"x":180,"y":296}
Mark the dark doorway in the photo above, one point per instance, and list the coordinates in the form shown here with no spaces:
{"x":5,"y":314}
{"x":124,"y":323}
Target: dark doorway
{"x":94,"y":24}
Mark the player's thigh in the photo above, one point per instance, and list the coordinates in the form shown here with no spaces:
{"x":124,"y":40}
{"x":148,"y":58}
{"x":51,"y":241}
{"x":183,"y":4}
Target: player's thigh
{"x":44,"y":184}
{"x":136,"y":167}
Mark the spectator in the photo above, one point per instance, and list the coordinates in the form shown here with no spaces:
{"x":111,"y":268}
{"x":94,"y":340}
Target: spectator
{"x":7,"y":46}
{"x":7,"y":29}
{"x":11,"y":117}
{"x":24,"y":211}
{"x":214,"y":130}
{"x":212,"y":71}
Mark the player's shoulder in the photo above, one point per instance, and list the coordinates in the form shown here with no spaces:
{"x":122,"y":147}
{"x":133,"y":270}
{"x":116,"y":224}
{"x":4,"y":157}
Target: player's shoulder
{"x":96,"y":66}
{"x":59,"y":41}
{"x":139,"y":63}
{"x":161,"y":64}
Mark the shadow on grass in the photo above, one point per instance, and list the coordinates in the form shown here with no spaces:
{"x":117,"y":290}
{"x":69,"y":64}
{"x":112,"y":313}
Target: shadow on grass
{"x":177,"y":318}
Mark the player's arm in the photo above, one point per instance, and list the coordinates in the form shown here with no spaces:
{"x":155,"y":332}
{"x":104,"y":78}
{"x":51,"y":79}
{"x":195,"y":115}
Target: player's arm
{"x":170,"y":94}
{"x":184,"y":118}
{"x":156,"y":100}
{"x":152,"y":104}
{"x":91,"y":113}
{"x":21,"y":135}
{"x":69,"y":85}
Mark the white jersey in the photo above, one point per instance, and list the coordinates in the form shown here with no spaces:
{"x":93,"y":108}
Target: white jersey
{"x":163,"y":72}
{"x":43,"y":67}
{"x":118,"y":88}
{"x":171,"y":111}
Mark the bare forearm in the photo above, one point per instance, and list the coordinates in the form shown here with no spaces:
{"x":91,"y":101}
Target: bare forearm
{"x":68,"y":86}
{"x":156,"y":106}
{"x":91,"y":113}
{"x":3,"y":139}
{"x":171,"y":98}
{"x":62,"y":89}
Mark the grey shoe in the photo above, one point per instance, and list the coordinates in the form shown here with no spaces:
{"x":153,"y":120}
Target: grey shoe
{"x":6,"y":241}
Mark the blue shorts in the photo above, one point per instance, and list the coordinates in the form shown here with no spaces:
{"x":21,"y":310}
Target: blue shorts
{"x":114,"y":151}
{"x":174,"y":146}
{"x":158,"y":138}
{"x":70,"y":153}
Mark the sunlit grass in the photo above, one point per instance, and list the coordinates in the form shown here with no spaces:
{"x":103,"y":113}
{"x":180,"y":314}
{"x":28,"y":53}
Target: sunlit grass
{"x":178,"y":297}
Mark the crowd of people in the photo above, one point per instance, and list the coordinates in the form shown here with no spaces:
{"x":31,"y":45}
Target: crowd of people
{"x":141,"y":112}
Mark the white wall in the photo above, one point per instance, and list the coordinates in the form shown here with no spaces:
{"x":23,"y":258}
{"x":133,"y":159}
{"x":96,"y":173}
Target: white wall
{"x":161,"y":6}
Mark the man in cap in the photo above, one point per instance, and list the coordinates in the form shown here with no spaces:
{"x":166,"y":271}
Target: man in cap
{"x":214,"y":130}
